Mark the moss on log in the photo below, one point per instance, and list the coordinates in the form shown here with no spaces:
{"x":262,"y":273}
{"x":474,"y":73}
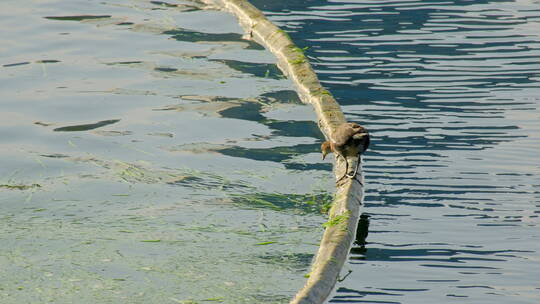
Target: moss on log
{"x":341,"y":227}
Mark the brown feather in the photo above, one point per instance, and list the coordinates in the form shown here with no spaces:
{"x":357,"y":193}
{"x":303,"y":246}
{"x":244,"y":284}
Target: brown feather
{"x":346,"y":134}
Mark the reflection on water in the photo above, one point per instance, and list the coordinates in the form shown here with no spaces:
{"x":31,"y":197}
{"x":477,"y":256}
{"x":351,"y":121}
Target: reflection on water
{"x":87,"y":127}
{"x":449,"y":91}
{"x":195,"y":36}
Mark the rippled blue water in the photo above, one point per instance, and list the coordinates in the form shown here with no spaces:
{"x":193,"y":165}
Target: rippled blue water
{"x":162,"y":158}
{"x":450,"y":91}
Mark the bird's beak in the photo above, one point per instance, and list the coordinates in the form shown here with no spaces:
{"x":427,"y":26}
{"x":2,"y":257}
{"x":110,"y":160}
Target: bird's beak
{"x":325,"y":148}
{"x":360,"y":135}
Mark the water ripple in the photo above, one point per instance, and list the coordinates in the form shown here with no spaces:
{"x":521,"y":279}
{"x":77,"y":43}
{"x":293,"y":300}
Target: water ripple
{"x":449,"y":92}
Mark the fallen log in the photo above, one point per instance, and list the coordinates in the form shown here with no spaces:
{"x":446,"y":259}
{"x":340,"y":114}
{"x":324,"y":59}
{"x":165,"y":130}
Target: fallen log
{"x":343,"y":216}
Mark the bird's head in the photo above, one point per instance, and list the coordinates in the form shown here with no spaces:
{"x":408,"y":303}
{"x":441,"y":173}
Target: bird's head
{"x":361,"y":138}
{"x":325,"y":149}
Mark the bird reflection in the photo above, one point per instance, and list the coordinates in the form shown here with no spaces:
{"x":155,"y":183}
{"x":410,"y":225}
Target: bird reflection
{"x":362,"y":231}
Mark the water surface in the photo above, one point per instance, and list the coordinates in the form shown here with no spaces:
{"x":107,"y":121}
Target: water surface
{"x":450,"y":93}
{"x":150,"y":154}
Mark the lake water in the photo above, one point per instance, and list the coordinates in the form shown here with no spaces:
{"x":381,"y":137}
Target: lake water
{"x":450,"y":92}
{"x":149,"y":154}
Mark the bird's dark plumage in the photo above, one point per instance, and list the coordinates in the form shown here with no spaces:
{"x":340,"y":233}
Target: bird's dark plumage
{"x":347,"y":136}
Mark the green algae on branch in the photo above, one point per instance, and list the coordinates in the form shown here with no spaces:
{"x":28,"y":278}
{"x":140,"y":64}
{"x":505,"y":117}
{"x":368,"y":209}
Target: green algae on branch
{"x":298,"y":61}
{"x":341,"y":220}
{"x":298,"y":49}
{"x":325,"y":92}
{"x":299,"y":54}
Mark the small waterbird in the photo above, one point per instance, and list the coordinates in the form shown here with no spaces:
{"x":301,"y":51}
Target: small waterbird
{"x":347,"y":136}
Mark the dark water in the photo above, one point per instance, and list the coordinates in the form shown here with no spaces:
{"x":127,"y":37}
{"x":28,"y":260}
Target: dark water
{"x":450,"y":91}
{"x":149,"y":154}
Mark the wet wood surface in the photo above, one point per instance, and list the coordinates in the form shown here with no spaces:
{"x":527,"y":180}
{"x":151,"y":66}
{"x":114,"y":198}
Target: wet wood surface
{"x":343,"y":216}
